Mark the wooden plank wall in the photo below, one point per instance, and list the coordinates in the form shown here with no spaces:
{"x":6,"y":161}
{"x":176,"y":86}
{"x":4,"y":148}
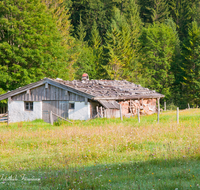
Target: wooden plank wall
{"x":51,"y":93}
{"x":58,"y":107}
{"x":93,"y":110}
{"x":111,"y":113}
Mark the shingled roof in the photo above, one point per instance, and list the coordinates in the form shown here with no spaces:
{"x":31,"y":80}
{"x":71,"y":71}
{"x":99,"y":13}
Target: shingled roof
{"x":95,"y":89}
{"x":110,"y":89}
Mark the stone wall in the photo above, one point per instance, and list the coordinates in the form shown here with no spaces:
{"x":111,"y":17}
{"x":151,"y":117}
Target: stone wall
{"x":146,"y":106}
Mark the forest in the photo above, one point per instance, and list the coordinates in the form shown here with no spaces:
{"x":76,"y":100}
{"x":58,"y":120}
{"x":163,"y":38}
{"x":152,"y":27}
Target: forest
{"x":154,"y":43}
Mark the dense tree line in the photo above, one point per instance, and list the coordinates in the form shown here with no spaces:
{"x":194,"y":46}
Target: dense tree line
{"x":155,"y":43}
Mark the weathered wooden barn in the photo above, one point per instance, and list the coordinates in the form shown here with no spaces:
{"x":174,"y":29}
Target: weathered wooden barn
{"x":81,"y":100}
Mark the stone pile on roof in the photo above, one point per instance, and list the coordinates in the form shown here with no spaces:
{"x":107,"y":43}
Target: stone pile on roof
{"x":110,"y":89}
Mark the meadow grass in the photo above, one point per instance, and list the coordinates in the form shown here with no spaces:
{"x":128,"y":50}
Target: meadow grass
{"x":103,"y":153}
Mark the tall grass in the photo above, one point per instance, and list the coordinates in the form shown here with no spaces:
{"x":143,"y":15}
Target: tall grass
{"x":103,"y":153}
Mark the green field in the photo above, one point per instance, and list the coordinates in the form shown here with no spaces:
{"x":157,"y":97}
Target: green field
{"x":103,"y":154}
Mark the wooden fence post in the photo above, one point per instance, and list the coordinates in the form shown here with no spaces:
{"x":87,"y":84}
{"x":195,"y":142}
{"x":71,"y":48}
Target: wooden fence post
{"x":120,"y":107}
{"x":51,"y":117}
{"x":188,"y":106}
{"x":158,"y":110}
{"x":8,"y":118}
{"x":177,"y":115}
{"x":165,"y":106}
{"x":138,"y":113}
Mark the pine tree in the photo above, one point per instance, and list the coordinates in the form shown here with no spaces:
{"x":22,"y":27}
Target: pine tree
{"x":86,"y":61}
{"x":158,"y":43}
{"x":99,"y":11}
{"x":191,"y":65}
{"x":145,"y":11}
{"x":97,"y":50}
{"x":196,"y":11}
{"x":119,"y":48}
{"x":81,"y":32}
{"x":131,"y":13}
{"x":159,"y":11}
{"x":95,"y":41}
{"x":181,"y":12}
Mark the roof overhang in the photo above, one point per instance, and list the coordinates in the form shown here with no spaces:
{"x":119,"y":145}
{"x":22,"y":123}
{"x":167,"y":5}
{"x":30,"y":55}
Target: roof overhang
{"x":136,"y":97}
{"x":42,"y":82}
{"x":110,"y":104}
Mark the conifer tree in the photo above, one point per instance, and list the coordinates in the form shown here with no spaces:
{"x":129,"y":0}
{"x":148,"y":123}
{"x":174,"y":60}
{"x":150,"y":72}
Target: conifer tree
{"x":97,"y":50}
{"x":145,"y":11}
{"x":95,"y":41}
{"x":159,"y":11}
{"x":86,"y":61}
{"x":181,"y":12}
{"x":158,"y":43}
{"x":118,"y":45}
{"x":191,"y":65}
{"x":131,"y":13}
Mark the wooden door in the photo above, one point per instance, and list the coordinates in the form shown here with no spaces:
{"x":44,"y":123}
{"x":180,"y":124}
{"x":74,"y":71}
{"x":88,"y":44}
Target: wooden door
{"x":58,"y":107}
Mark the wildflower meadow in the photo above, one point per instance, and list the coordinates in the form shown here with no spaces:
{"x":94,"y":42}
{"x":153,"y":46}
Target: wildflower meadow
{"x":103,"y":154}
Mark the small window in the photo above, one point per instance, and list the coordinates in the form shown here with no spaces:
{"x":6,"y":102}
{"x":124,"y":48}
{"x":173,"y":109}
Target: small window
{"x":28,"y":106}
{"x":71,"y":106}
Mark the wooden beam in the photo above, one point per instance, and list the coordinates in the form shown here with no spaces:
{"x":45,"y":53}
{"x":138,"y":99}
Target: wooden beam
{"x":46,"y":85}
{"x":101,"y":111}
{"x":8,"y":121}
{"x":177,"y":115}
{"x":138,"y":114}
{"x":158,"y":101}
{"x":3,"y":115}
{"x":61,"y":117}
{"x":133,"y":97}
{"x":9,"y":100}
{"x":97,"y":108}
{"x":86,"y":101}
{"x":51,"y":117}
{"x":121,"y":117}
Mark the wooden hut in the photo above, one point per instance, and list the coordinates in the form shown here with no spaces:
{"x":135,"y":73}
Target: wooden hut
{"x":79,"y":99}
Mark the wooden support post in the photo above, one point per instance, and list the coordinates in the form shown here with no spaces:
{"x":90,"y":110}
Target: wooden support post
{"x":9,"y":100}
{"x":188,"y":106}
{"x":120,"y":109}
{"x":46,"y":85}
{"x":105,"y":111}
{"x":158,"y":110}
{"x":51,"y":117}
{"x":101,"y":111}
{"x":177,"y":115}
{"x":86,"y":101}
{"x":4,"y":110}
{"x":165,"y":106}
{"x":97,"y":108}
{"x":138,"y":113}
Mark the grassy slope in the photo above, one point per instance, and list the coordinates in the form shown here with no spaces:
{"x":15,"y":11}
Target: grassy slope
{"x":103,"y":154}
